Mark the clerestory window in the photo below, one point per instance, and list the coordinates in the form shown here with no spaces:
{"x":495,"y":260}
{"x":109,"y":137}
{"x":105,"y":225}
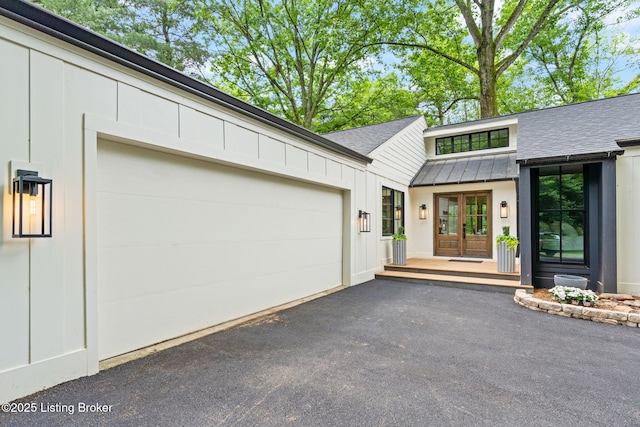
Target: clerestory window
{"x":473,"y":141}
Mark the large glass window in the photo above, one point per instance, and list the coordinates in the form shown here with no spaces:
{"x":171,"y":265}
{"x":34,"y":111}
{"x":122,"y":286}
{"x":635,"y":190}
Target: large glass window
{"x":561,"y":214}
{"x":473,"y":141}
{"x":392,"y":211}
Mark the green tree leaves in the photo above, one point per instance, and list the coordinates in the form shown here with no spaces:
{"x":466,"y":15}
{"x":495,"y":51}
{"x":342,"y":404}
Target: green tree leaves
{"x":296,"y":58}
{"x":331,"y":64}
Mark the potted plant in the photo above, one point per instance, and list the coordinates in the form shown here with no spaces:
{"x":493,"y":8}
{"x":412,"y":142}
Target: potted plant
{"x":507,"y":245}
{"x":399,"y":247}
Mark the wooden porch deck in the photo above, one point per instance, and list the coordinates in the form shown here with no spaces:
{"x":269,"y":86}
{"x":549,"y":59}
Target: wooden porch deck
{"x":468,"y":274}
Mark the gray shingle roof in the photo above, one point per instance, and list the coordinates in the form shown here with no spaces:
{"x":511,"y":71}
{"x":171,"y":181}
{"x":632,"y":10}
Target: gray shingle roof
{"x":586,"y":129}
{"x":367,"y":138}
{"x":477,"y":168}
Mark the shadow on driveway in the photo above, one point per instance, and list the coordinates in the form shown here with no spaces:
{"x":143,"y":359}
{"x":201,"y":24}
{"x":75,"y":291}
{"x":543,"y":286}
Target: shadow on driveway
{"x":382,"y":353}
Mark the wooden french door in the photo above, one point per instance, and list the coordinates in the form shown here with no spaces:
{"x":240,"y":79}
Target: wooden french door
{"x":463,"y":224}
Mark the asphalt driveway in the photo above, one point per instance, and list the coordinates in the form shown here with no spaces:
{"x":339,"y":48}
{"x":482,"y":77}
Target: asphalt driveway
{"x":379,"y":354}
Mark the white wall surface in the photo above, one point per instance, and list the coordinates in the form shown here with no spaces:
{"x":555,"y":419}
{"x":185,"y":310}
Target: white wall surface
{"x":56,"y":101}
{"x":420,"y":241}
{"x":628,"y":201}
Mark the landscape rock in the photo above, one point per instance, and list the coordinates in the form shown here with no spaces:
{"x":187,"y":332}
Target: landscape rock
{"x":609,"y":309}
{"x":634,"y":317}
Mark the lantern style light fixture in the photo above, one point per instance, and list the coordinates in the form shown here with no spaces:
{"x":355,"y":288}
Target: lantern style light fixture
{"x":398,"y":213}
{"x":31,"y":205}
{"x":504,"y":209}
{"x":364,"y":221}
{"x":422,"y":211}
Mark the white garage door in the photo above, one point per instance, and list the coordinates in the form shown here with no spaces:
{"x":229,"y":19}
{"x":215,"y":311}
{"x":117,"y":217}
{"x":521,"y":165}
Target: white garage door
{"x":185,"y":244}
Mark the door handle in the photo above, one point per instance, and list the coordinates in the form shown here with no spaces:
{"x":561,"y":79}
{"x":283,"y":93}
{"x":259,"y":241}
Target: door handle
{"x":464,"y":231}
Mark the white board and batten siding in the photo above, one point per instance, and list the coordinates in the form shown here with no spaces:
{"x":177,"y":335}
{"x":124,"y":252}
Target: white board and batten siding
{"x":182,"y":210}
{"x":628,"y":206}
{"x":395,"y":163}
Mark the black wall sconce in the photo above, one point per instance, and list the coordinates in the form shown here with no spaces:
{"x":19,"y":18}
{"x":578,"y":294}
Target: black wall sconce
{"x":504,"y":209}
{"x":31,"y":205}
{"x":422,"y":212}
{"x":364,"y":221}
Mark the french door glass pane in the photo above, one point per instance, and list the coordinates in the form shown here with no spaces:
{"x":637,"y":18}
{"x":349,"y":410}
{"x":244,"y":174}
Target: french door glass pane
{"x":448,"y":215}
{"x":476,"y":215}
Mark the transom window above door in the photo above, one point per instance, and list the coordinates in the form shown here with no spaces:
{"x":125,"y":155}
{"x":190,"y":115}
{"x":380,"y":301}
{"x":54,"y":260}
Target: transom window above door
{"x":392,"y":211}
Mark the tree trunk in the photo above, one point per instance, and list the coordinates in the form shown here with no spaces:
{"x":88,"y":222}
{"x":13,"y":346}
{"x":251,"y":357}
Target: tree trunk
{"x":488,"y":84}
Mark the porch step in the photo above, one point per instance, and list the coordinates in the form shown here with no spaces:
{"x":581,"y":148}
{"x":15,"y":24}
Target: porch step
{"x":470,"y":271}
{"x":456,"y":281}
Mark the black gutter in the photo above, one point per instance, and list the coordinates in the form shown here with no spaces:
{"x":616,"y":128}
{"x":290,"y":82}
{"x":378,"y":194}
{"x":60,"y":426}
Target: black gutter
{"x":570,"y":158}
{"x":46,"y":22}
{"x":629,"y":142}
{"x":436,"y":184}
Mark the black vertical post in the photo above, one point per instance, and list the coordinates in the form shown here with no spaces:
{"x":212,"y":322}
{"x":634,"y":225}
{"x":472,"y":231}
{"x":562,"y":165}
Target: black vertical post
{"x":525,"y":225}
{"x":608,"y":230}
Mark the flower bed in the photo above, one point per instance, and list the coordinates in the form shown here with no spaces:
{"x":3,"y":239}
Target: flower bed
{"x":575,"y":296}
{"x":628,"y":316}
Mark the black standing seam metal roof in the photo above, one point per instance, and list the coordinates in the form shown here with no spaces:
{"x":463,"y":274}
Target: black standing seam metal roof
{"x":46,"y":22}
{"x":459,"y":170}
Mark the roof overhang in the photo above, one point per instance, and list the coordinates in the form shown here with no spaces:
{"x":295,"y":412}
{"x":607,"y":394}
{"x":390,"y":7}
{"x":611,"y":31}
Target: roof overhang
{"x":53,"y":25}
{"x":468,"y":169}
{"x":470,"y":127}
{"x":571,"y":158}
{"x":628,"y":142}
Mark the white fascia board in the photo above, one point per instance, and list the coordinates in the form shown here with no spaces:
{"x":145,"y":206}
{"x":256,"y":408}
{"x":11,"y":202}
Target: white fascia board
{"x":470,"y":127}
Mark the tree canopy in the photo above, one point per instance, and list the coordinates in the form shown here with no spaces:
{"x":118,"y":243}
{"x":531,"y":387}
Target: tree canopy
{"x":332,"y":64}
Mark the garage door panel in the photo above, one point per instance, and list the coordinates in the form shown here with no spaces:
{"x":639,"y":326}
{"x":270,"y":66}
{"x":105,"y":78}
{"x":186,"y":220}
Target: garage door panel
{"x":166,"y":268}
{"x":204,"y":244}
{"x":198,"y":308}
{"x":149,"y":173}
{"x":143,"y":220}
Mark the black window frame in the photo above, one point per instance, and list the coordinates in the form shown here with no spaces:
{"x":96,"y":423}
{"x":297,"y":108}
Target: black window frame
{"x":495,"y":138}
{"x":561,"y":211}
{"x":389,"y":221}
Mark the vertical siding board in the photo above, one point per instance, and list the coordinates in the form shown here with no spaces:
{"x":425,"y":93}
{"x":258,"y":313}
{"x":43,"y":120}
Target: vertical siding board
{"x":102,"y":102}
{"x":46,"y":269}
{"x":14,"y":253}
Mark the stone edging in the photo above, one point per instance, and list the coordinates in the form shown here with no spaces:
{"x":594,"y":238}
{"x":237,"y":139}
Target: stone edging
{"x":577,"y":311}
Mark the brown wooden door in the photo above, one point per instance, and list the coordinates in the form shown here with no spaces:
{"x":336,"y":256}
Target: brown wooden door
{"x":463,"y":224}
